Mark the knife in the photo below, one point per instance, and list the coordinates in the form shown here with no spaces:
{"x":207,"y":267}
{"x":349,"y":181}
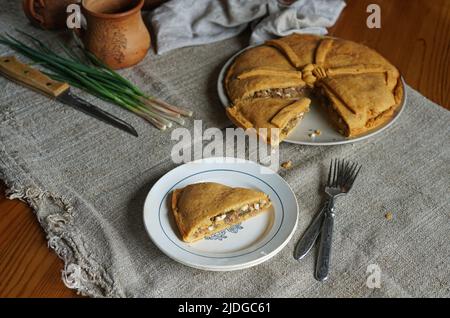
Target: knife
{"x":24,"y":74}
{"x":311,"y":234}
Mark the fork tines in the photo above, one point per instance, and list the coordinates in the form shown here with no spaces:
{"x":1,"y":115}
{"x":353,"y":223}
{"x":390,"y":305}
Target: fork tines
{"x":342,"y":174}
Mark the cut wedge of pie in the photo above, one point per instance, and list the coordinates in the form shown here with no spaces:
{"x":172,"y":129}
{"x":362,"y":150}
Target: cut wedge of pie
{"x":360,"y":88}
{"x":265,"y":114}
{"x":203,"y":209}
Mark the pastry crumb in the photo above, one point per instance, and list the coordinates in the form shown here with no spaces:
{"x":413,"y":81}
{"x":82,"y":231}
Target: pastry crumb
{"x":315,"y":133}
{"x":287,"y":164}
{"x":389,"y":216}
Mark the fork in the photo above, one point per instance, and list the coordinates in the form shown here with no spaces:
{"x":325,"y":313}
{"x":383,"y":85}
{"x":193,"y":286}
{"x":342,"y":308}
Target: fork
{"x":341,"y":177}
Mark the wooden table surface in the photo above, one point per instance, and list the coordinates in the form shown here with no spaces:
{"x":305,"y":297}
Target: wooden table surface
{"x":414,"y":35}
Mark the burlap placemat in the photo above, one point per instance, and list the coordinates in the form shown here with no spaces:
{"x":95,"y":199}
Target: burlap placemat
{"x":87,"y":183}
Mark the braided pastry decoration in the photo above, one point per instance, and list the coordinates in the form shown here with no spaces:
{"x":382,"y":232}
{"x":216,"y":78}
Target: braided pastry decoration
{"x":360,"y":88}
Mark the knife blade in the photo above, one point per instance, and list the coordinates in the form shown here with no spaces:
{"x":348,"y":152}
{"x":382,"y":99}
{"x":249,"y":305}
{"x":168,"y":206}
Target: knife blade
{"x":24,"y":74}
{"x":309,"y":237}
{"x":72,"y":100}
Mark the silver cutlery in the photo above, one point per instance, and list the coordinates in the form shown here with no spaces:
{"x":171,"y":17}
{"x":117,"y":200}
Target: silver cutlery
{"x":306,"y":242}
{"x":341,"y":177}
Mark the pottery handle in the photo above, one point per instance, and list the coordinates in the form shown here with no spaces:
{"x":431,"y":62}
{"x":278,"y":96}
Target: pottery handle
{"x":28,"y":7}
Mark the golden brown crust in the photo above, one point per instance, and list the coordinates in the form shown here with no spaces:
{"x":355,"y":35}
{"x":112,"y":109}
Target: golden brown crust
{"x":269,"y":113}
{"x":194,"y":205}
{"x":268,"y":71}
{"x":361,"y":98}
{"x":178,"y":219}
{"x":303,"y":45}
{"x":399,"y":93}
{"x":355,"y":69}
{"x":261,"y":57}
{"x":288,"y":51}
{"x":322,"y":50}
{"x":362,"y":86}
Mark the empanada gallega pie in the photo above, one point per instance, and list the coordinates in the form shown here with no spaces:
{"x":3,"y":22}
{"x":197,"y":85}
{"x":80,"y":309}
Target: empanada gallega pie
{"x":203,"y":209}
{"x":359,"y":88}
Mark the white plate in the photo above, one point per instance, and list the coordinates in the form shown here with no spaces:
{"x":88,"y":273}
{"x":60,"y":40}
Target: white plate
{"x":315,"y":119}
{"x":253,"y":242}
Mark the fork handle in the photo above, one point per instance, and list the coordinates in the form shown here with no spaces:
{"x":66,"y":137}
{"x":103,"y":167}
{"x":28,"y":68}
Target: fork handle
{"x":326,"y":237}
{"x":311,"y":234}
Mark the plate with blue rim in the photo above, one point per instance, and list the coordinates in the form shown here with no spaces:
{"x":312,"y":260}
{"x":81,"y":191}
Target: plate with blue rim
{"x":241,"y":246}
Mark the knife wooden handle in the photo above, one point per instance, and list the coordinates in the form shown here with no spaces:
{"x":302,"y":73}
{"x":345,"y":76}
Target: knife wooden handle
{"x":30,"y":77}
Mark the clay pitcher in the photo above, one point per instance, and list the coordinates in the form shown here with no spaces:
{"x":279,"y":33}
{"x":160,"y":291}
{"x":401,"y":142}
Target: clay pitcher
{"x":47,"y":14}
{"x":115,"y":31}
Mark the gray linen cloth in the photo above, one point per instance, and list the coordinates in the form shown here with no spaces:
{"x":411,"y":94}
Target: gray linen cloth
{"x":180,"y":23}
{"x":87,"y":183}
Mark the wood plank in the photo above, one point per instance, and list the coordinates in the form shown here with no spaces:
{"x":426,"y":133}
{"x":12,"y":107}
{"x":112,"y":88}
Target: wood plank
{"x":28,"y":268}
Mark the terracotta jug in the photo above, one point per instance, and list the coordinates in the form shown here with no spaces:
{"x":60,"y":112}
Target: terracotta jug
{"x":115,"y":31}
{"x":47,"y":14}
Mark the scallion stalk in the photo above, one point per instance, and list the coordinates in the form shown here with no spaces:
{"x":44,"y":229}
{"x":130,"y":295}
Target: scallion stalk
{"x":83,"y":70}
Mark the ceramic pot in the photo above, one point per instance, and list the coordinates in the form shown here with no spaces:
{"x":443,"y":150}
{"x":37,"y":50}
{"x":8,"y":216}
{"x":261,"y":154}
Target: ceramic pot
{"x":115,"y":31}
{"x":47,"y":14}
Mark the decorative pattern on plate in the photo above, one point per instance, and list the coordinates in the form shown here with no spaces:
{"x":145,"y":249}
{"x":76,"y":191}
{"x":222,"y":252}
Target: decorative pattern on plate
{"x":220,"y":236}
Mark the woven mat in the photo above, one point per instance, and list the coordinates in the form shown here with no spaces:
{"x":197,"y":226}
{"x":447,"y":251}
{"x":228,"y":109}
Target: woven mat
{"x":87,"y":183}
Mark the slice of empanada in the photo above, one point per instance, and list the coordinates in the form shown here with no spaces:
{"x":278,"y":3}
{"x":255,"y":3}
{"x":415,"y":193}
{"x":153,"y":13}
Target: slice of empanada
{"x":203,"y":209}
{"x":358,"y":102}
{"x":265,"y":114}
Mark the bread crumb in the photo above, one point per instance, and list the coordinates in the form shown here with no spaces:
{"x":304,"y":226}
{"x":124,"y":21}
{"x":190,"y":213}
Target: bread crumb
{"x":315,"y":133}
{"x":287,"y":164}
{"x":389,"y":216}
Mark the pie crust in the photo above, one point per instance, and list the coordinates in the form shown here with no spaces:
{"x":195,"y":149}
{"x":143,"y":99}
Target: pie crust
{"x":203,"y":209}
{"x":358,"y":86}
{"x":265,"y":114}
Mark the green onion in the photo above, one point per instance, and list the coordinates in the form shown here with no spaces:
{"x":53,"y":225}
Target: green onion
{"x":82,"y":69}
